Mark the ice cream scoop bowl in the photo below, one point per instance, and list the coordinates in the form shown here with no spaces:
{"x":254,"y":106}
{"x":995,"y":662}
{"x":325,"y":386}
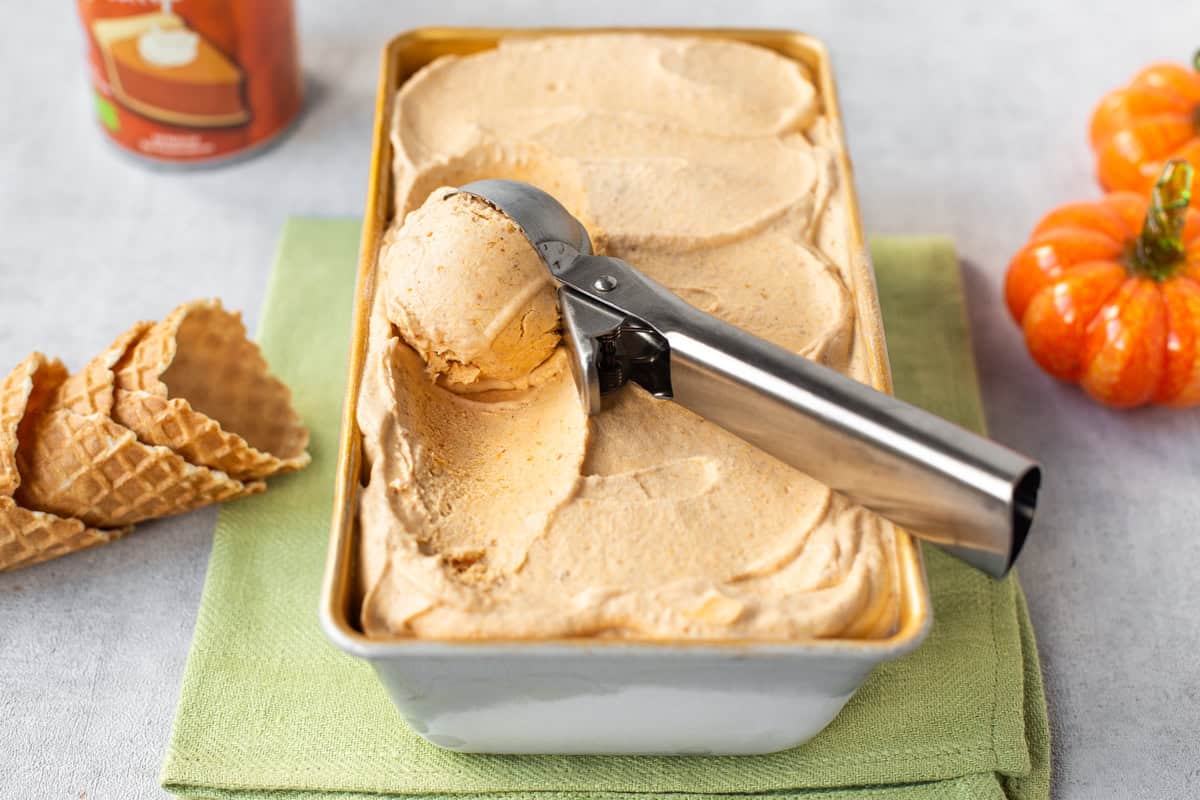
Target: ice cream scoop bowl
{"x":969,"y":495}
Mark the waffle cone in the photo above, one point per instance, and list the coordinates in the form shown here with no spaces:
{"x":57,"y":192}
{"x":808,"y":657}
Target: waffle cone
{"x":90,"y":391}
{"x":27,"y":536}
{"x":195,"y":384}
{"x":30,"y":537}
{"x":88,"y":466}
{"x":24,"y":390}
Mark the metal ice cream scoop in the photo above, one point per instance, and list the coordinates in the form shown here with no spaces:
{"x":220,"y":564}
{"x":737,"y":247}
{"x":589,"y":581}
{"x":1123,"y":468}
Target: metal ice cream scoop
{"x":947,"y":485}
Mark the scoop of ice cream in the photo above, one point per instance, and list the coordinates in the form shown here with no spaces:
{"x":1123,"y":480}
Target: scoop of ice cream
{"x":468,"y":292}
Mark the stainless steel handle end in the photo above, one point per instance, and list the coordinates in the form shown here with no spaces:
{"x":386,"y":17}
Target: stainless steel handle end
{"x":995,"y":551}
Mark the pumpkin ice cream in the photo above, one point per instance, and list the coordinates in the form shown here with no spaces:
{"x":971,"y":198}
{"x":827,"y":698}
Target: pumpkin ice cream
{"x":494,"y":507}
{"x":477,"y":303}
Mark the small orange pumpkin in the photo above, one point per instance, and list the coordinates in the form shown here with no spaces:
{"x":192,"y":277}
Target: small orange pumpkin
{"x":1108,"y":294}
{"x":1137,"y":129}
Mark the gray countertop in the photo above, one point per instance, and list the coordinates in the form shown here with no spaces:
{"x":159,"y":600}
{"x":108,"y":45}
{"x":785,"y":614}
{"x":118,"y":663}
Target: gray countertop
{"x":967,"y":119}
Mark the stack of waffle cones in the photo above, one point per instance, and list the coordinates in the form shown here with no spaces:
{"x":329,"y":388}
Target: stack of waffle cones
{"x":172,"y":416}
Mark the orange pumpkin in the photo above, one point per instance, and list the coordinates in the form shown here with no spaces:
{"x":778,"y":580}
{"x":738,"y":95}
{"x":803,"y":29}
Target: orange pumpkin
{"x":1108,"y":294}
{"x":1137,"y":129}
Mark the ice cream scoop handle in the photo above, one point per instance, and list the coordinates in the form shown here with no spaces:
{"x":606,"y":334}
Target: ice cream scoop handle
{"x":942,"y":482}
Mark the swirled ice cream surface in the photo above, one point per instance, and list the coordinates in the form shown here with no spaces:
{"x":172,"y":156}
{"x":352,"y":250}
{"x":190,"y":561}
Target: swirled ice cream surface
{"x":494,"y":507}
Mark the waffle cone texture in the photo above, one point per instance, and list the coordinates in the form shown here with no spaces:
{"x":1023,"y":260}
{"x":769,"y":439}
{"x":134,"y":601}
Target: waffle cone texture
{"x":170,"y":417}
{"x":28,"y":535}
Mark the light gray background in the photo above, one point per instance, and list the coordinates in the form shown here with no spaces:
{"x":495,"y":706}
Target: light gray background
{"x":964,"y":118}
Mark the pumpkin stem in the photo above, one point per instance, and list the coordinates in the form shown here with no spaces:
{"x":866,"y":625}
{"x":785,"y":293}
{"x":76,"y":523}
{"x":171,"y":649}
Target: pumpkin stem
{"x":1196,"y":61}
{"x":1160,"y":247}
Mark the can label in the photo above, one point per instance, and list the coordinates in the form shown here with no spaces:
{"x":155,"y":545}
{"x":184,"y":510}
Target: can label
{"x":192,"y":80}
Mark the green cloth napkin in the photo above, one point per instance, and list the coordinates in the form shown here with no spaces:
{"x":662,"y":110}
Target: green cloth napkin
{"x":269,"y":709}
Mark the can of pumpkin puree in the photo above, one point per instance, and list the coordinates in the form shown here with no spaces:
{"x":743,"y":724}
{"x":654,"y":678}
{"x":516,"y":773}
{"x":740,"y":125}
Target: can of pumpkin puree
{"x":192,"y":81}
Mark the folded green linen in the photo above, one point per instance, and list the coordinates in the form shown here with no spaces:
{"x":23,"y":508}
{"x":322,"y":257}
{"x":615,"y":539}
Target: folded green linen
{"x":269,"y":709}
